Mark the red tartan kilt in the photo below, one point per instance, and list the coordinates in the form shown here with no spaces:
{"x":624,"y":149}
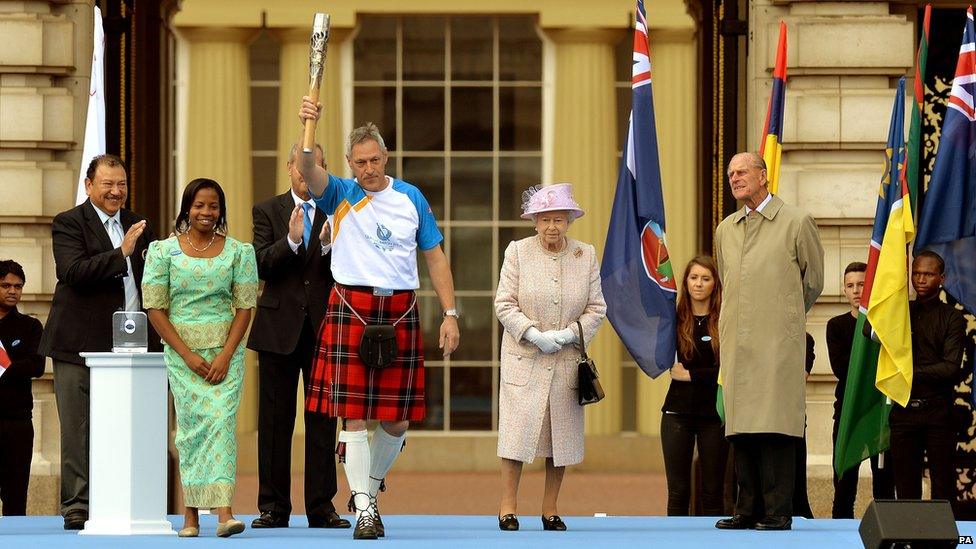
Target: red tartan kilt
{"x":342,"y":386}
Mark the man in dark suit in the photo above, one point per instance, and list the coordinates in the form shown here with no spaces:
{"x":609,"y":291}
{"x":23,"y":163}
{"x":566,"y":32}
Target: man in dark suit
{"x":294,"y":265}
{"x":99,"y":253}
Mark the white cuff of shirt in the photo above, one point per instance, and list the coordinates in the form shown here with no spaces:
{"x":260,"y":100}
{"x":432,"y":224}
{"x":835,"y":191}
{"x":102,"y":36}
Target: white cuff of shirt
{"x":293,"y":245}
{"x":326,"y":248}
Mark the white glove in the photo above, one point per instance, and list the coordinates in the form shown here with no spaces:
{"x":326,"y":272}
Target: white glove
{"x":543,"y":341}
{"x":563,"y":337}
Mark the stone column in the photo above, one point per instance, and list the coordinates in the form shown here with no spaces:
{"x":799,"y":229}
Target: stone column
{"x":838,"y":104}
{"x":219,"y":119}
{"x":675,"y":71}
{"x":293,"y":84}
{"x":219,"y":147}
{"x":584,"y":153}
{"x":293,"y":75}
{"x":44,"y":83}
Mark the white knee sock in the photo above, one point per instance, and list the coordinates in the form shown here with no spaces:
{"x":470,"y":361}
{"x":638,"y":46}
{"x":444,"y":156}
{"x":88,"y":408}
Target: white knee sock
{"x":383,"y":451}
{"x":357,"y":468}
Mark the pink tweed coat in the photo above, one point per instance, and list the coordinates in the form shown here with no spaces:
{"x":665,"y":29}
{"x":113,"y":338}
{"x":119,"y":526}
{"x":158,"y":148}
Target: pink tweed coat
{"x":549,"y":291}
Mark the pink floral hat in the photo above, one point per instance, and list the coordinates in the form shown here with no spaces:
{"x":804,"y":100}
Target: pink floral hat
{"x":559,"y":196}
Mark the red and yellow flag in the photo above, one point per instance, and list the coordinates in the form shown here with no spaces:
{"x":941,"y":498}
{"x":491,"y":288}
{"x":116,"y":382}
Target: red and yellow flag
{"x":771,"y":145}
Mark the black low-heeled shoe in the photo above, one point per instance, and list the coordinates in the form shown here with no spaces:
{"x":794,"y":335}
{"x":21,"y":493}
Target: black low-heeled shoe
{"x":553,"y":523}
{"x":736,"y":522}
{"x":508,"y":523}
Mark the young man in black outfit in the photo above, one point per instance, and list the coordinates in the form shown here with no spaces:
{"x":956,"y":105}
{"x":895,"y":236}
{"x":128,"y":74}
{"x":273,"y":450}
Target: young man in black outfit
{"x":840,"y":339}
{"x":19,"y":335}
{"x":938,"y":336}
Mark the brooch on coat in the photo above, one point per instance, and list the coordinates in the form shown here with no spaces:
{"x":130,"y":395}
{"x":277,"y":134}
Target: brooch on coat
{"x":578,"y":252}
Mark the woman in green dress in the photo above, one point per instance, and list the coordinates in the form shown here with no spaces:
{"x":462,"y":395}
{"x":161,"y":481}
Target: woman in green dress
{"x":199,"y":288}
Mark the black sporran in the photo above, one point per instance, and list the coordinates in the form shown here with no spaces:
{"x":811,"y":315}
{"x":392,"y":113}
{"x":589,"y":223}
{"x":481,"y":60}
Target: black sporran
{"x":590,"y":388}
{"x":378,"y":347}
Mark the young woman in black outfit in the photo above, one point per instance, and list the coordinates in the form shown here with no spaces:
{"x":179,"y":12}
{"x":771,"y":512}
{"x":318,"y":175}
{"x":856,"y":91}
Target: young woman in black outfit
{"x":689,"y":410}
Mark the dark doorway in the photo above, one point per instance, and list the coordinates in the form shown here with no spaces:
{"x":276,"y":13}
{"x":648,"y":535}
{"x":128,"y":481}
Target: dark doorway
{"x":723,"y":27}
{"x":139,"y":106}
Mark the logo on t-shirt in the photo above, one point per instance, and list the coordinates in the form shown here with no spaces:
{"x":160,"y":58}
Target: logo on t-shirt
{"x":383,"y":240}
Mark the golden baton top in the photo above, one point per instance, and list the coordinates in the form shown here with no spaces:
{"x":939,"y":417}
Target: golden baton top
{"x":318,"y":47}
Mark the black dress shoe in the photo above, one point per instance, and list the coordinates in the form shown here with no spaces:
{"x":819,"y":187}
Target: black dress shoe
{"x":553,"y":523}
{"x":508,"y":523}
{"x":365,"y":527}
{"x":736,"y":522}
{"x":75,"y":520}
{"x":332,"y":520}
{"x":270,"y":519}
{"x":775,"y":522}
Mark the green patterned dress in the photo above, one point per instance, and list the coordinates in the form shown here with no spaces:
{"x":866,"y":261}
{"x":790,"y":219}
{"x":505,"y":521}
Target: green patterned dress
{"x":201,"y":295}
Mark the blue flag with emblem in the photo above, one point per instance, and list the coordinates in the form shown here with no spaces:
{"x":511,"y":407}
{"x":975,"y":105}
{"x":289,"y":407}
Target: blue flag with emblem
{"x":637,"y":276}
{"x":947,"y":221}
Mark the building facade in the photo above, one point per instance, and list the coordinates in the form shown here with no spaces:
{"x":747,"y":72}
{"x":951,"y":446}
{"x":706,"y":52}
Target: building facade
{"x":476,"y":103}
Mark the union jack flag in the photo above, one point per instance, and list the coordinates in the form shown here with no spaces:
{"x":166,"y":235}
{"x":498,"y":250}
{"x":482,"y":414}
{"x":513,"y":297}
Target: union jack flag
{"x":642,"y":53}
{"x":947,"y":222}
{"x":964,"y":84}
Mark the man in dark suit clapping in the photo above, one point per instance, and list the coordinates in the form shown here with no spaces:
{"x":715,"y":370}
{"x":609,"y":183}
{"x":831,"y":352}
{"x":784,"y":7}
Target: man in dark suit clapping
{"x":99,"y":250}
{"x":293,"y":262}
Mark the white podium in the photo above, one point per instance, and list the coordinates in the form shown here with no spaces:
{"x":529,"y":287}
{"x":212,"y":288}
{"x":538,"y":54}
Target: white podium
{"x":128,"y":445}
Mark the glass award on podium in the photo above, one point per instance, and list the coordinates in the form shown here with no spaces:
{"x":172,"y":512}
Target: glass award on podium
{"x":129,"y":332}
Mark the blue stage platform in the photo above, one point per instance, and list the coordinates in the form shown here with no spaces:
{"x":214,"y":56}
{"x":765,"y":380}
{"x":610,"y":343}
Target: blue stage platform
{"x":465,"y":531}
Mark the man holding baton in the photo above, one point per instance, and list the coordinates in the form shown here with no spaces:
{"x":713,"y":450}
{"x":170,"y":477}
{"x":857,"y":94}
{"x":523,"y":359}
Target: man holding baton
{"x":370,"y":363}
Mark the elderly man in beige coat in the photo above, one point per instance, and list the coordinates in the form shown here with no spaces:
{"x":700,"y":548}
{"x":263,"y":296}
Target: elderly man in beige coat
{"x":771,"y":264}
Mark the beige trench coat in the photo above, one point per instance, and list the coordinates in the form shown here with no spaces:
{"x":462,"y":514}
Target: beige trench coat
{"x":549,"y":291}
{"x":771,"y":267}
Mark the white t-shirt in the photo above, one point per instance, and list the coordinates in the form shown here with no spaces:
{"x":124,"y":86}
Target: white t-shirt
{"x":375,"y":235}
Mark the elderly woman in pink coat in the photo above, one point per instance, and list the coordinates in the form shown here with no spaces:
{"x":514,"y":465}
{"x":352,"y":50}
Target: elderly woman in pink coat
{"x":548,"y":282}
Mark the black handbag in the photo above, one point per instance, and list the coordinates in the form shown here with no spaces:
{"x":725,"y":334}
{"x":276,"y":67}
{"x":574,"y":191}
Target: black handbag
{"x":378,"y":346}
{"x":590,"y":388}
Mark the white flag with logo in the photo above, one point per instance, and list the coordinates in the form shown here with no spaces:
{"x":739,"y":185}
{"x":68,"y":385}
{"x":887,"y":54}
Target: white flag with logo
{"x":95,"y":125}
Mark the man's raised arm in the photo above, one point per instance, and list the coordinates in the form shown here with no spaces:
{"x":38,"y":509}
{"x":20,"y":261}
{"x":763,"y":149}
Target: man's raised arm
{"x":315,"y":176}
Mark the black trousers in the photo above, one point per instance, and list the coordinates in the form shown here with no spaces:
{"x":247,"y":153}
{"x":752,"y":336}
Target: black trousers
{"x":926,"y":430}
{"x":679,"y":433}
{"x":16,"y":448}
{"x":278,"y":378}
{"x":71,"y":389}
{"x":801,"y":502}
{"x":845,"y":487}
{"x":765,"y":466}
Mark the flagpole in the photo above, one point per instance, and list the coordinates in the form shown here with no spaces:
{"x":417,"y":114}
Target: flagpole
{"x":95,"y":120}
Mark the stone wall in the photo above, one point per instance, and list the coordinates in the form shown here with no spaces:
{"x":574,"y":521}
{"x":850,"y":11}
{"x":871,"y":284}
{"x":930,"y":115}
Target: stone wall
{"x":843,"y":59}
{"x":45,"y":62}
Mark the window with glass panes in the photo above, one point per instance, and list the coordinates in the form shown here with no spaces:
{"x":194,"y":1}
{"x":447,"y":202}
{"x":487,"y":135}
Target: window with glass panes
{"x":264,"y":52}
{"x":459,"y":102}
